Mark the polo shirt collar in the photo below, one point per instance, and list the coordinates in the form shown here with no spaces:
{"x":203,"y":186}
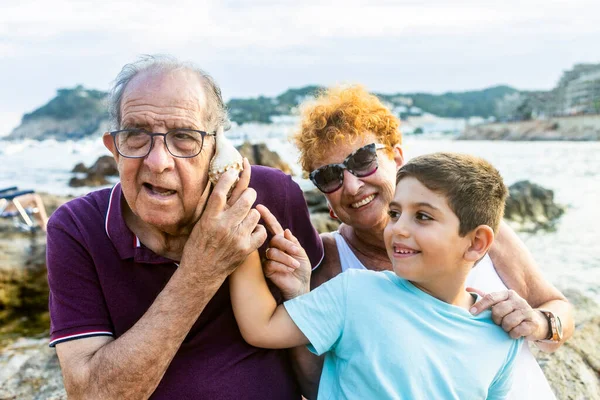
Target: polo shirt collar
{"x":128,"y":245}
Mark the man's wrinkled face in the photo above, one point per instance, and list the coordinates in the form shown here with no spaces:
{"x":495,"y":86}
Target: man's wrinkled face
{"x":160,"y":189}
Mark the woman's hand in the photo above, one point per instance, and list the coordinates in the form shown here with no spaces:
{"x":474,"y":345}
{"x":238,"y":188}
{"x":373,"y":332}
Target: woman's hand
{"x":513,"y":314}
{"x":286,"y":263}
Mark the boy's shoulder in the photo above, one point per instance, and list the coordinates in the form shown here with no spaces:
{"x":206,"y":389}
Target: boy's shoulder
{"x":365,"y":279}
{"x":367,"y":274}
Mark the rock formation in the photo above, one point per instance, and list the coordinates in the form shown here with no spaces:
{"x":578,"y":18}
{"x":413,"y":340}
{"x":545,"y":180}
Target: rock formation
{"x":96,"y":174}
{"x":530,"y":207}
{"x":579,"y":128}
{"x":259,"y":154}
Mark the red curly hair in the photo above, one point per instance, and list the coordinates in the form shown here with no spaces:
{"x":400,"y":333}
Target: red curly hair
{"x":343,"y":113}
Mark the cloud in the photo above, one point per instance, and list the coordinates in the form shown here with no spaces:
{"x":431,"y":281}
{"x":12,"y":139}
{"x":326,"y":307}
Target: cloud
{"x":266,"y":46}
{"x":270,"y":24}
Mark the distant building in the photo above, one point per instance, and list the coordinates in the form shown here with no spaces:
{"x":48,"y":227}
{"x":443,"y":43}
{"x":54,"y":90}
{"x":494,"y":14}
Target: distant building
{"x":582,"y":94}
{"x":577,"y":92}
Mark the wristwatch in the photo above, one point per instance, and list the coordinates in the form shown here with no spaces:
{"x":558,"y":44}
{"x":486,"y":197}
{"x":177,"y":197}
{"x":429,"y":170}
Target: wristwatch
{"x":555,"y":329}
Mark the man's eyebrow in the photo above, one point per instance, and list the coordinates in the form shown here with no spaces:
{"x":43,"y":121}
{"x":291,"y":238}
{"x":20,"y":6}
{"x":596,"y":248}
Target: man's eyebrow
{"x":427,"y":205}
{"x":394,"y":204}
{"x":133,"y":124}
{"x":415,"y":205}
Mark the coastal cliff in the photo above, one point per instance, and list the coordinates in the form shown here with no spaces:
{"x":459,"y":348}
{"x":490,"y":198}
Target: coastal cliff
{"x":576,"y":128}
{"x":73,"y":114}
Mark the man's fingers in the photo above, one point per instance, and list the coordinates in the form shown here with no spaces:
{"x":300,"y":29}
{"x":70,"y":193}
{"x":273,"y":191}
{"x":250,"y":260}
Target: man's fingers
{"x":218,"y":198}
{"x":201,"y":207}
{"x":274,"y":254}
{"x":242,"y":184}
{"x":488,"y":301}
{"x":258,"y":236}
{"x":525,"y":329}
{"x":475,"y":290}
{"x":239,"y":211}
{"x":512,"y":320}
{"x":271,"y":222}
{"x":249,"y":223}
{"x":501,"y":310}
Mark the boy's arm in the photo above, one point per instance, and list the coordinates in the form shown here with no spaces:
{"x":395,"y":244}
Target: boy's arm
{"x":500,"y":387}
{"x":261,"y":321}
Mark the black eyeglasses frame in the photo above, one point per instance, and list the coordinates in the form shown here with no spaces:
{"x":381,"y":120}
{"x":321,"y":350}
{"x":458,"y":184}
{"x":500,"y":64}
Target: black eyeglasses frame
{"x":164,"y":136}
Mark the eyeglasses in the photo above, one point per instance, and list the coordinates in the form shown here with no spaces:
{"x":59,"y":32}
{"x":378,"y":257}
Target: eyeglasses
{"x":361,"y":163}
{"x":137,"y":143}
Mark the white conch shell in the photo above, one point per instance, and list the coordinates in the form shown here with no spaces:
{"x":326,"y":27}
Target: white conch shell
{"x":226,"y":157}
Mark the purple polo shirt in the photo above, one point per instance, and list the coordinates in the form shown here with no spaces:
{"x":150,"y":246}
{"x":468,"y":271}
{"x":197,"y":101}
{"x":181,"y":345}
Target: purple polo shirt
{"x":102,"y":280}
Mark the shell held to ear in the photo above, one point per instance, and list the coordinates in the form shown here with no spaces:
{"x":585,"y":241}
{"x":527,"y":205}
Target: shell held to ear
{"x":226,"y":157}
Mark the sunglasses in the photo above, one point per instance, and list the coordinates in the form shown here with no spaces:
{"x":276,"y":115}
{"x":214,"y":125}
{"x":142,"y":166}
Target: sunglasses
{"x":361,"y":163}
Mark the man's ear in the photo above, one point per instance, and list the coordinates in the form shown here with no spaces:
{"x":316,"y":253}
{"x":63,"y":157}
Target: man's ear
{"x":109,"y":143}
{"x":481,"y":240}
{"x":398,"y":155}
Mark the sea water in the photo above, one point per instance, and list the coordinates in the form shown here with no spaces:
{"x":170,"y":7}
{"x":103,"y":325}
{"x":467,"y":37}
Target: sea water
{"x":569,"y":256}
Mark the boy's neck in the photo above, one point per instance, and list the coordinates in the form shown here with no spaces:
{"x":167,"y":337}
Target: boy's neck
{"x":449,"y":289}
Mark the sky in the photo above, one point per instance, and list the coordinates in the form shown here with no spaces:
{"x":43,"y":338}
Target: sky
{"x":264,"y":47}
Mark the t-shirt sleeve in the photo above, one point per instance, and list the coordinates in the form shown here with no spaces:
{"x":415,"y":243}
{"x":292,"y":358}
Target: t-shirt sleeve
{"x":76,"y":302}
{"x":321,"y":314}
{"x":502,"y":384}
{"x":298,"y":221}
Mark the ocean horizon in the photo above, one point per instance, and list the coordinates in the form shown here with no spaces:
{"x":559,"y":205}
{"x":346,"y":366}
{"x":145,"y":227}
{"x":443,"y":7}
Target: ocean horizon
{"x":569,"y":256}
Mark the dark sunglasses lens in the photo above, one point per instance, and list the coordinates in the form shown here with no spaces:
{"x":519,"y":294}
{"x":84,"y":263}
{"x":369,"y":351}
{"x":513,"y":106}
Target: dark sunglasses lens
{"x":364,"y":161}
{"x":328,"y":178}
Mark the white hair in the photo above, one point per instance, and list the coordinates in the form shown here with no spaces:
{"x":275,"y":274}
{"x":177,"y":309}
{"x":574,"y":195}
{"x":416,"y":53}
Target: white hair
{"x":216,"y":112}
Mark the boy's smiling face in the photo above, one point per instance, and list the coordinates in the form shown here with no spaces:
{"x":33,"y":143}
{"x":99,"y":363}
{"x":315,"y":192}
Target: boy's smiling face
{"x":422,"y":236}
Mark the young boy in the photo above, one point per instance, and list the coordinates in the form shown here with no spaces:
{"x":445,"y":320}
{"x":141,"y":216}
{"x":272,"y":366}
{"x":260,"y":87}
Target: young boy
{"x":408,"y":333}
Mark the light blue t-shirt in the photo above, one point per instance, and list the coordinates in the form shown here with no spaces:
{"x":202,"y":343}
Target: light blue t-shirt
{"x":386,"y":339}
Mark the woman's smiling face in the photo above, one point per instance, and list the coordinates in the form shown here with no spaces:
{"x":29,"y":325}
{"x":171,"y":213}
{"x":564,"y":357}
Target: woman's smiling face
{"x":362,"y":202}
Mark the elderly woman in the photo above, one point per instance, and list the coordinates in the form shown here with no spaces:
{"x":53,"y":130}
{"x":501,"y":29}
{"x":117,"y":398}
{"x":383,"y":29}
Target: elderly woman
{"x":350,"y":144}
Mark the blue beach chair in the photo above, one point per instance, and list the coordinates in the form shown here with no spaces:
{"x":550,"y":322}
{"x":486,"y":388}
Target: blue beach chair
{"x":10,"y":196}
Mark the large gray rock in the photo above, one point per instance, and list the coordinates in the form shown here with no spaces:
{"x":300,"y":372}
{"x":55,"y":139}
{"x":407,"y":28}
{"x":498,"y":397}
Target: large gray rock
{"x":531,"y":207}
{"x":96,"y":174}
{"x":23,"y":283}
{"x":324,"y":223}
{"x":259,"y":154}
{"x":574,"y":370}
{"x":319,"y":212}
{"x":316,"y":201}
{"x":579,"y":128}
{"x":105,"y":166}
{"x":29,"y":370}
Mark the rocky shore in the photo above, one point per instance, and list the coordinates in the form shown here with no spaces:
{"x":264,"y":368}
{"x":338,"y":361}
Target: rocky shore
{"x":576,"y":128}
{"x":29,"y":369}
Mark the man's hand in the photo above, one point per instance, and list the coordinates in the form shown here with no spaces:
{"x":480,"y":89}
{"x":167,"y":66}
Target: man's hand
{"x":286,"y":263}
{"x":513,"y":314}
{"x":227,"y":231}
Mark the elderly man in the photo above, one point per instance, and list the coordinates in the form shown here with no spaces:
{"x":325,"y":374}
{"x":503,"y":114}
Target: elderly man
{"x":139,"y":301}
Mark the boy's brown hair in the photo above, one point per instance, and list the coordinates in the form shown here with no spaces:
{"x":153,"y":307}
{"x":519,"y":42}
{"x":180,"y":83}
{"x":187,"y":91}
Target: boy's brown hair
{"x":473,"y":188}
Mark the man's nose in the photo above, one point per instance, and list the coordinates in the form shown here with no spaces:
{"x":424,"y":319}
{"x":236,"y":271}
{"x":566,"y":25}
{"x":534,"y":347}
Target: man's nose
{"x":400,"y":227}
{"x":159,"y":158}
{"x":352,"y":184}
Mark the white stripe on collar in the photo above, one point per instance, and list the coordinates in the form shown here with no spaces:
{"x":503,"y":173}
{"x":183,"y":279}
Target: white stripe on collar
{"x":108,"y":211}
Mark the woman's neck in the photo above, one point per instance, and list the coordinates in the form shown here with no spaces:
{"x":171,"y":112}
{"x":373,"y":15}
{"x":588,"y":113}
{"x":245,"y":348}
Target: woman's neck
{"x":368,"y":246}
